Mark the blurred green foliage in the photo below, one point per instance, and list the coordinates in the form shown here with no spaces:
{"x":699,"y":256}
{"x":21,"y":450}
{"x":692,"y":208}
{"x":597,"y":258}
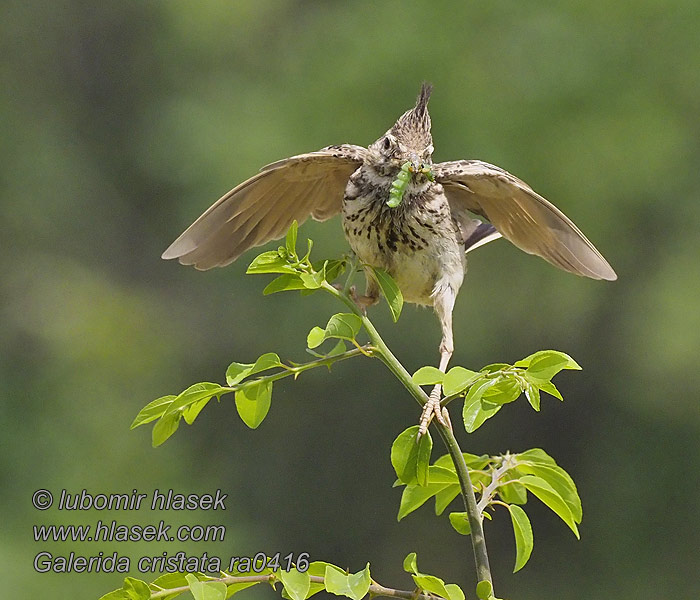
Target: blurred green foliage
{"x":122,"y":121}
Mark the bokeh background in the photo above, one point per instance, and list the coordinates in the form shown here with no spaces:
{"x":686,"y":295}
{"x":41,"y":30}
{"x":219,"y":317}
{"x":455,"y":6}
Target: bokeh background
{"x":122,"y":121}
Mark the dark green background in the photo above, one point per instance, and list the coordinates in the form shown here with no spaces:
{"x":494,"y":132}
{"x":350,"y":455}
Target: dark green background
{"x":122,"y":121}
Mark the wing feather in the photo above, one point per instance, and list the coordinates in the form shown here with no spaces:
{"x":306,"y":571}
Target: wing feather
{"x":263,"y":207}
{"x":521,"y":215}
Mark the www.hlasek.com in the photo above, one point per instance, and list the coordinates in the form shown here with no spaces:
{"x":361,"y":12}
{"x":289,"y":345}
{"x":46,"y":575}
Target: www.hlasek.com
{"x":112,"y":531}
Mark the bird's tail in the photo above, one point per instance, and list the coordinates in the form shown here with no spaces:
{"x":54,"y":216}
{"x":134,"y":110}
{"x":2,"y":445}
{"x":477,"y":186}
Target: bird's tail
{"x":482,"y":234}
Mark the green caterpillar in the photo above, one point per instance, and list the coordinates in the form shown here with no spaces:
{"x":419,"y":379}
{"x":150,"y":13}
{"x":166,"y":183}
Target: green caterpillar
{"x":398,"y":186}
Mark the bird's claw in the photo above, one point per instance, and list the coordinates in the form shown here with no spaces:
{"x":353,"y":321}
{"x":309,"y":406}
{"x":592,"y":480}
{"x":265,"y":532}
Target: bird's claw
{"x":433,"y":409}
{"x":363,"y":302}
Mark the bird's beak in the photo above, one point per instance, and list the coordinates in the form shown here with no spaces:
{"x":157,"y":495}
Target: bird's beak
{"x":418,"y":166}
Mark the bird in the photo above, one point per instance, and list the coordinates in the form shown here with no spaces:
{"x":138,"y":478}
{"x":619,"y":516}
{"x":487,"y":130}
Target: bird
{"x":439,"y":212}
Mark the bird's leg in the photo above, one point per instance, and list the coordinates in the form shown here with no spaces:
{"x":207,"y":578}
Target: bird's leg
{"x":444,"y":303}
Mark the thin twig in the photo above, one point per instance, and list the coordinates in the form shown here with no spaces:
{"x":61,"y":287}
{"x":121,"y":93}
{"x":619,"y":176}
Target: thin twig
{"x":487,"y":493}
{"x":297,"y":369}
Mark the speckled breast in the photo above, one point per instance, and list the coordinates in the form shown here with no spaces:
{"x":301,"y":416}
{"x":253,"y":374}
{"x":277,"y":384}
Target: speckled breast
{"x":416,"y":242}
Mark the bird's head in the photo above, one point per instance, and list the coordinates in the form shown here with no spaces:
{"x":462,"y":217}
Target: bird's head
{"x":409,"y":140}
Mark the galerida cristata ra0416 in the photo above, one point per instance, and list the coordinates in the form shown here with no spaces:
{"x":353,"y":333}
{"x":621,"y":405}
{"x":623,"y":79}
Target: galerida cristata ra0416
{"x":400,"y":212}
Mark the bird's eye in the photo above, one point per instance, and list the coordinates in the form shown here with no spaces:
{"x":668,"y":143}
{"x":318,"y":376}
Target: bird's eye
{"x":386,"y":144}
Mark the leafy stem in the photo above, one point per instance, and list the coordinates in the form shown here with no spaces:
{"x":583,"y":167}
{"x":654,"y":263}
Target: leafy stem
{"x":375,"y":590}
{"x":467,"y":491}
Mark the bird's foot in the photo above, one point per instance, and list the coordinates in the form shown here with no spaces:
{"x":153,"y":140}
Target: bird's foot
{"x":363,"y":302}
{"x":433,"y":409}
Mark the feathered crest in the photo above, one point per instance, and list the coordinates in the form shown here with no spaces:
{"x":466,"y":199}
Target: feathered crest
{"x":413,"y":127}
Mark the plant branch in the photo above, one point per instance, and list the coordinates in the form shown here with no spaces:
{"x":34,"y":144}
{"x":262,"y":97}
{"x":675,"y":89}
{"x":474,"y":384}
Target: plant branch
{"x":481,"y":557}
{"x":297,"y":369}
{"x":381,"y":349}
{"x":478,"y":540}
{"x":374,"y":589}
{"x":489,"y":490}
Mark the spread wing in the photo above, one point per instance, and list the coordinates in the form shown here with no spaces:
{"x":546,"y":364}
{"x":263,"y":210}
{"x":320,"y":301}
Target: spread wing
{"x":521,"y":215}
{"x":263,"y":207}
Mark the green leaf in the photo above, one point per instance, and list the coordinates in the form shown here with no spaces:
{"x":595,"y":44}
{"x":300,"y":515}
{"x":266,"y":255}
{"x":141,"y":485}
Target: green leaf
{"x":425,"y":449}
{"x":313,"y":281}
{"x":206,"y":590}
{"x":317,"y":569}
{"x":291,"y":239}
{"x":528,"y":360}
{"x":136,"y":589}
{"x":484,"y":590}
{"x":296,"y":584}
{"x":505,"y":390}
{"x":550,"y":388}
{"x":334,"y":269}
{"x":253,"y":402}
{"x":192,"y":395}
{"x":284,"y":283}
{"x":410,"y":563}
{"x":437,"y":474}
{"x":309,"y":245}
{"x":547,"y":494}
{"x":443,"y":498}
{"x":169,"y":581}
{"x":560,"y":480}
{"x":458,"y":379}
{"x":523,"y":536}
{"x":189,"y":402}
{"x":193,"y":410}
{"x":404,"y":455}
{"x":414,"y":496}
{"x":270,"y":262}
{"x":477,"y":391}
{"x":532,"y":393}
{"x":454,"y":592}
{"x":353,"y":586}
{"x":537,"y":455}
{"x":153,"y":410}
{"x":432,"y":584}
{"x":344,"y":326}
{"x":237,"y":372}
{"x":475,"y":412}
{"x":460,"y":522}
{"x":428,"y":376}
{"x":546,"y":364}
{"x":473,"y":461}
{"x":513,"y":492}
{"x":339,"y":348}
{"x":234,"y":588}
{"x":390,"y":291}
{"x":164,"y":428}
{"x":411,"y":459}
{"x":316,"y":337}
